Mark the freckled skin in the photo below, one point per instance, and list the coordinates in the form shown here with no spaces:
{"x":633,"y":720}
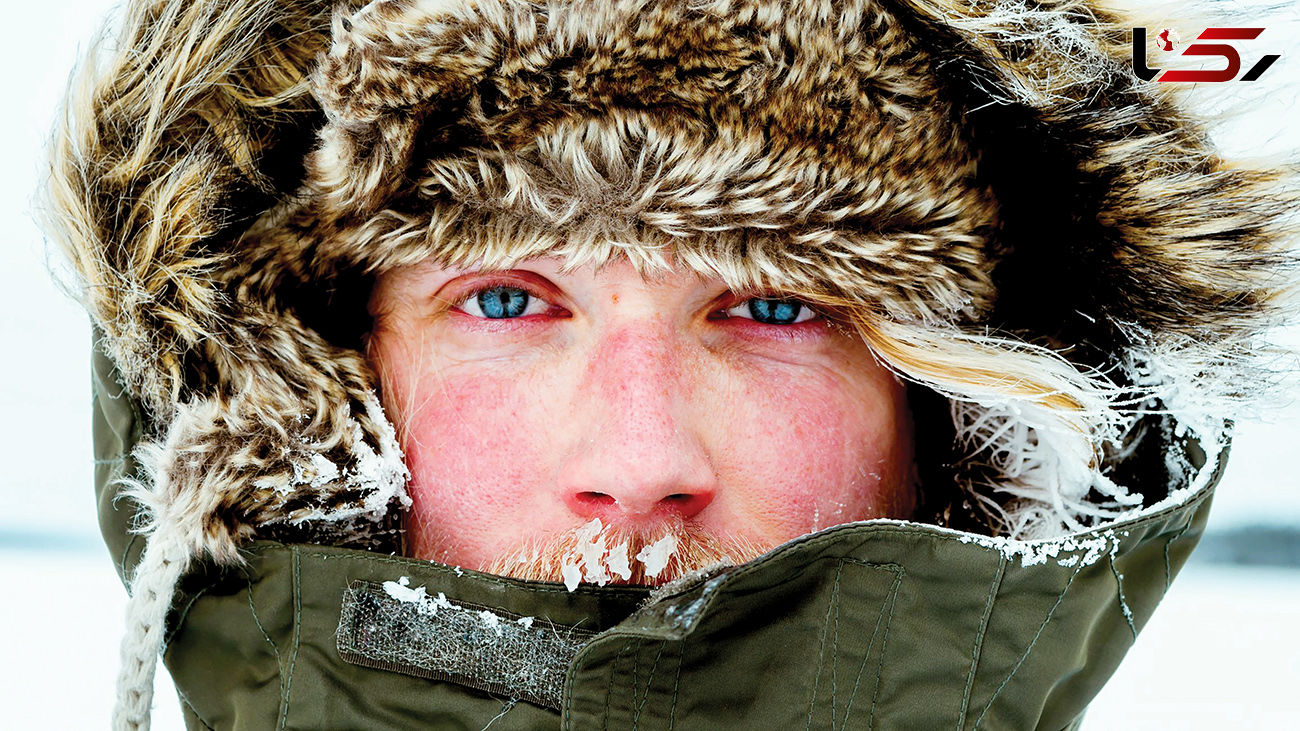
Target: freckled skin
{"x":621,"y":398}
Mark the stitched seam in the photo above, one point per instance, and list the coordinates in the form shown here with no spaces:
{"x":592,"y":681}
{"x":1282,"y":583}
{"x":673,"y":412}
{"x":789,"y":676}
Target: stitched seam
{"x":279,"y":664}
{"x":649,"y":681}
{"x":609,"y":688}
{"x":122,"y":562}
{"x":821,"y":647}
{"x":636,"y":666}
{"x":1124,"y":608}
{"x":566,"y":713}
{"x":186,"y":702}
{"x":112,"y":485}
{"x":899,"y":573}
{"x":182,"y":614}
{"x":980,"y":633}
{"x":835,"y":640}
{"x":857,"y":680}
{"x":1032,"y":642}
{"x":1169,"y":579}
{"x":677,"y":679}
{"x":297,"y":633}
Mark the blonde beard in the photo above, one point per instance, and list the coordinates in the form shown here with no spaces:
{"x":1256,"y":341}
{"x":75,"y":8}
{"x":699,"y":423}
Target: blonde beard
{"x":602,"y":555}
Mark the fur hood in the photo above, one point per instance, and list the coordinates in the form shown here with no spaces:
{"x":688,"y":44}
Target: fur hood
{"x":985,"y":177}
{"x":985,"y":184}
{"x":985,"y":190}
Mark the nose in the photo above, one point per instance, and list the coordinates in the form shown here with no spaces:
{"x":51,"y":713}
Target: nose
{"x":638,"y":456}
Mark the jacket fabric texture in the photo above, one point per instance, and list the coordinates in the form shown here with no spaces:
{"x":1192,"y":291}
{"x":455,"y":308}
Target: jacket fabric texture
{"x":989,"y":177}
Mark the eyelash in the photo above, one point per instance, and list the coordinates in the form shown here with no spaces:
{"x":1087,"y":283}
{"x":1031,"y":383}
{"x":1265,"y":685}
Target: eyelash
{"x":742,"y":300}
{"x":718,"y":314}
{"x":479,"y":287}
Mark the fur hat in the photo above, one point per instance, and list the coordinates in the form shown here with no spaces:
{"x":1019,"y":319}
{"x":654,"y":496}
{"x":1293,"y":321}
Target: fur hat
{"x":979,"y":187}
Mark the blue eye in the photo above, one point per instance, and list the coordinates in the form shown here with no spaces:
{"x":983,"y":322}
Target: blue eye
{"x":502,"y":302}
{"x":773,"y":311}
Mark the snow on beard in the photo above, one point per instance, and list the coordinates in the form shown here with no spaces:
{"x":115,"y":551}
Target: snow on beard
{"x":605,"y":554}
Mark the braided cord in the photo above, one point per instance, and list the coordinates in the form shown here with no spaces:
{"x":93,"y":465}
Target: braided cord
{"x":161,"y":566}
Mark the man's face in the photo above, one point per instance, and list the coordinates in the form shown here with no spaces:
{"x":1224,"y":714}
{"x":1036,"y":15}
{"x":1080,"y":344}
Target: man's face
{"x":692,"y":422}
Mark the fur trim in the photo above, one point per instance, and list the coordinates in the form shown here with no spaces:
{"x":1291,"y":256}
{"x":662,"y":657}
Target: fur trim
{"x":971,"y":168}
{"x":492,"y":131}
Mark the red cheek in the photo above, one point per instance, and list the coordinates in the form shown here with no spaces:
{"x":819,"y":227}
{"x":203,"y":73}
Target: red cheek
{"x":807,"y":459}
{"x":470,"y":448}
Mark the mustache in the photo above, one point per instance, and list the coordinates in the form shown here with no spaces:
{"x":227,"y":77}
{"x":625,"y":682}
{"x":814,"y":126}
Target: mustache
{"x":601,"y":554}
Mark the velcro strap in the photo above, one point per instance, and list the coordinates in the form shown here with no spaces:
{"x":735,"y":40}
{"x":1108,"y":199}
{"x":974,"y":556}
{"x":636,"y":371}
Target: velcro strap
{"x":392,"y":627}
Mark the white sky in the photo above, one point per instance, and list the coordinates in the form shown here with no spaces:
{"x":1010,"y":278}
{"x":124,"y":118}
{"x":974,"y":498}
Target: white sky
{"x":45,"y":399}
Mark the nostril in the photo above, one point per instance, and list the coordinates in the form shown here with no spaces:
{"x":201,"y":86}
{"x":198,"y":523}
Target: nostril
{"x":593,"y":499}
{"x":685,"y":503}
{"x":638,"y":502}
